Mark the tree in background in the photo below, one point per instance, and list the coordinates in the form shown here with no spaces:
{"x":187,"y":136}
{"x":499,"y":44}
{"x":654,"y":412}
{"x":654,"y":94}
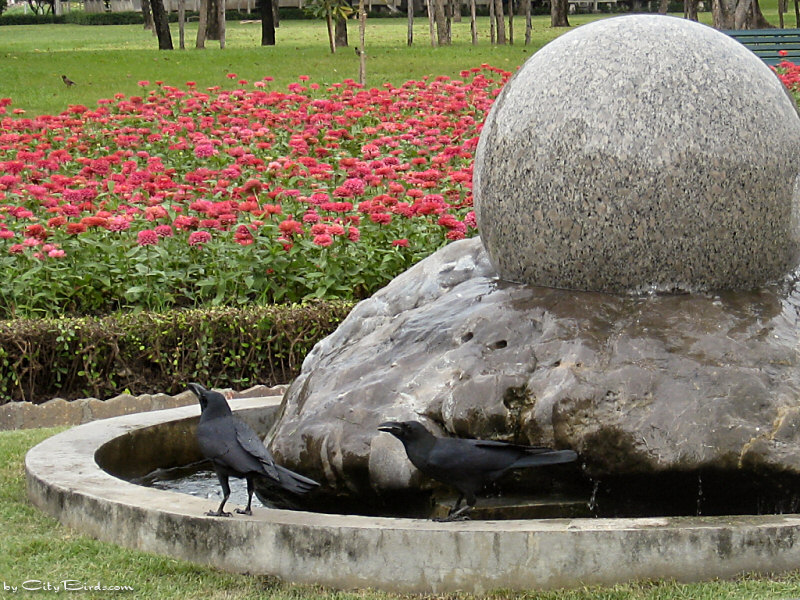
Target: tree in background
{"x":738,"y":14}
{"x":42,"y":7}
{"x":3,"y":6}
{"x":147,"y":16}
{"x":208,"y":26}
{"x":267,"y":22}
{"x":182,"y":24}
{"x":162,"y":25}
{"x":558,"y":13}
{"x":442,"y":19}
{"x":331,"y":11}
{"x":341,"y":32}
{"x":500,"y":20}
{"x":362,"y":50}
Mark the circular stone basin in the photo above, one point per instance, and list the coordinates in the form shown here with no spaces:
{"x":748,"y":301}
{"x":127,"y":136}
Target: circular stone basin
{"x":400,"y":555}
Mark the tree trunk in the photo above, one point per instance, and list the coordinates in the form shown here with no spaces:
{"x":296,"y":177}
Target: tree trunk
{"x":162,"y":25}
{"x":362,"y":34}
{"x":492,"y":27}
{"x":267,"y":22}
{"x":431,"y":22}
{"x":738,"y":14}
{"x":442,"y":23}
{"x":331,"y":37}
{"x":201,"y":25}
{"x":797,"y":12}
{"x":182,"y":24}
{"x":341,"y":32}
{"x":721,"y":14}
{"x":558,"y":13}
{"x":690,"y":10}
{"x":501,"y":22}
{"x":510,"y":22}
{"x":221,"y":19}
{"x":473,"y":22}
{"x":276,"y":16}
{"x":410,"y":35}
{"x":212,"y":24}
{"x":663,"y":7}
{"x":528,"y":24}
{"x":147,"y":15}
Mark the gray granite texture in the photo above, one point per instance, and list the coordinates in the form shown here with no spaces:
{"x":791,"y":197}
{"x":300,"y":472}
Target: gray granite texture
{"x":634,"y":384}
{"x":637,"y":153}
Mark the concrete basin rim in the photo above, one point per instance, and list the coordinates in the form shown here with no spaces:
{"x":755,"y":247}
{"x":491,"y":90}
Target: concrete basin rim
{"x":75,"y":448}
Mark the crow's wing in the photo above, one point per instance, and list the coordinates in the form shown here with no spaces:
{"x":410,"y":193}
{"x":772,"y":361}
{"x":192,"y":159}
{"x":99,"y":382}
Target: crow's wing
{"x":528,"y":456}
{"x":517,"y":447}
{"x":453,"y":458}
{"x":218,"y":443}
{"x":252,"y":444}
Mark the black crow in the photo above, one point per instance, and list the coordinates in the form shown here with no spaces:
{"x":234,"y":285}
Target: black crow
{"x":466,"y":464}
{"x":235,"y":450}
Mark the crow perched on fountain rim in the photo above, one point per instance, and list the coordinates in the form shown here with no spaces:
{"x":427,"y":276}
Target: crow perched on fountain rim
{"x":468,"y":464}
{"x":235,"y":450}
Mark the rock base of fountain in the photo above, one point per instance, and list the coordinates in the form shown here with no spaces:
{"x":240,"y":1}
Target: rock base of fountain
{"x":637,"y":385}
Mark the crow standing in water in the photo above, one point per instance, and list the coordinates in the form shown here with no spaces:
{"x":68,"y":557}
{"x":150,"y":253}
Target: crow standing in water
{"x":466,"y":464}
{"x":235,"y":450}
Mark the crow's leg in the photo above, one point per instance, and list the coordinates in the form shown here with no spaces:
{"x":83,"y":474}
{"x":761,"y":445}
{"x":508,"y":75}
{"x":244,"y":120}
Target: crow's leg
{"x":454,"y":513}
{"x":226,"y":492}
{"x":462,"y":514}
{"x":250,"y":488}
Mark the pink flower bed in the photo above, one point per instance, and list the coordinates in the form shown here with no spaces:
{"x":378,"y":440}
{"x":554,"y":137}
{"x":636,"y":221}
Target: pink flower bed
{"x":184,"y":197}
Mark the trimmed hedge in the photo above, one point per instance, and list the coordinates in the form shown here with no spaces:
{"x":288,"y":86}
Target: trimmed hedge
{"x":148,"y":352}
{"x":107,"y":18}
{"x":31,"y":19}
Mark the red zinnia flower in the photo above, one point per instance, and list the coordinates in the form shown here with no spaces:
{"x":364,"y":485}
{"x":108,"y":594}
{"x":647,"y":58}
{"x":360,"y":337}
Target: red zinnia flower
{"x":323,"y":240}
{"x":381,"y":218}
{"x":147,"y":237}
{"x":290,"y":226}
{"x":75,"y":228}
{"x":198,"y":238}
{"x":164,"y":231}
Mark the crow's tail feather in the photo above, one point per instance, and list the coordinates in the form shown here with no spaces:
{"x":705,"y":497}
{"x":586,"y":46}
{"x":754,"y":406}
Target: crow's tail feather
{"x":294,"y":482}
{"x":553,"y":457}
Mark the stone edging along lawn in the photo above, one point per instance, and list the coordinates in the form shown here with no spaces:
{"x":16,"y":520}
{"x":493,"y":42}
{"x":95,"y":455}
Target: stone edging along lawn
{"x":59,"y":412}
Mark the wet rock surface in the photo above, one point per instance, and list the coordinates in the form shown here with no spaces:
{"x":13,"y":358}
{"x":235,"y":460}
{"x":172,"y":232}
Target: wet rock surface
{"x":636,"y":385}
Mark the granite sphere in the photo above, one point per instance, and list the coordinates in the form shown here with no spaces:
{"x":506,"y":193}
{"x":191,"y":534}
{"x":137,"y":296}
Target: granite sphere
{"x":641,"y":153}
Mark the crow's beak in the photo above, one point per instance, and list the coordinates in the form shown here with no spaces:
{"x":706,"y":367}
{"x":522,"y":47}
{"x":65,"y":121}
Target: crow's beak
{"x":390,"y":427}
{"x":199,"y":391}
{"x":196,"y":389}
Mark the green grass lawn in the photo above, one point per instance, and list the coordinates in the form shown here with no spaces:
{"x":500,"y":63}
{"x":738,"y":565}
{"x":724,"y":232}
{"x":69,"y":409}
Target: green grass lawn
{"x":111,"y":59}
{"x":35,"y":547}
{"x":105,"y":60}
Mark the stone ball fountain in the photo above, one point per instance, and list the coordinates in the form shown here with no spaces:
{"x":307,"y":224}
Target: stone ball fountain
{"x":631,"y":157}
{"x":633,"y":296}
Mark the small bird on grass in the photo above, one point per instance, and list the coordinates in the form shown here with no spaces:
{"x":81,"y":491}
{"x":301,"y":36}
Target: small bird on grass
{"x":235,"y":450}
{"x":67,"y":81}
{"x":467,"y":464}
